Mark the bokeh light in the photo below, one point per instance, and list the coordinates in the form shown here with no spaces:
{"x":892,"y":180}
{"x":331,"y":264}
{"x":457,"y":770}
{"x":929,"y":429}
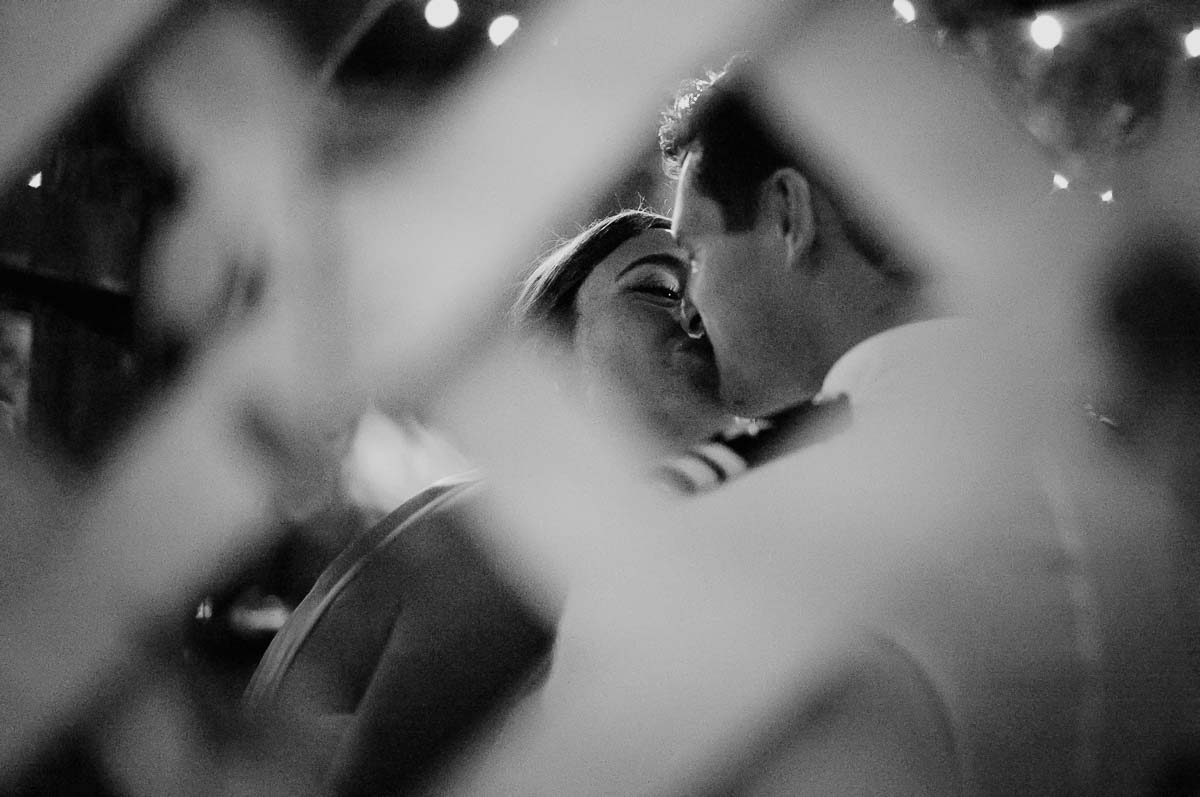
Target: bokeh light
{"x":441,"y":13}
{"x":1191,"y":42}
{"x":1046,"y":31}
{"x":905,"y":10}
{"x":502,"y":27}
{"x":1061,"y":181}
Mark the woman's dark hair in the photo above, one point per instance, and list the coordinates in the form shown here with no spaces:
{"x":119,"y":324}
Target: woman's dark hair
{"x":546,"y":305}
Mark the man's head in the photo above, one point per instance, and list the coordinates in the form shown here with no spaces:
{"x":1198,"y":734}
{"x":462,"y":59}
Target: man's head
{"x":786,"y":279}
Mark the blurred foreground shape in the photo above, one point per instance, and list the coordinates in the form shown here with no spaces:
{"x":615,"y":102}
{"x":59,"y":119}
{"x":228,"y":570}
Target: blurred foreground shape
{"x":212,"y":281}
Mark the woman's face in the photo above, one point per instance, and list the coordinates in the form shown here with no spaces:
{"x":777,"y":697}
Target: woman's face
{"x":632,"y":348}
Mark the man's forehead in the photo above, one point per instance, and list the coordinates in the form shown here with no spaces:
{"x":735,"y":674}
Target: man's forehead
{"x":692,"y":211}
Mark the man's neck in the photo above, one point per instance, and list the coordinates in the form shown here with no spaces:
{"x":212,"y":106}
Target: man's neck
{"x":882,"y":302}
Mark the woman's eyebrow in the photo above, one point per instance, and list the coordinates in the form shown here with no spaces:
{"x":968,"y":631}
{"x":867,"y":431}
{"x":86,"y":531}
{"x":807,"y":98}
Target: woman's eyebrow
{"x":658,"y":258}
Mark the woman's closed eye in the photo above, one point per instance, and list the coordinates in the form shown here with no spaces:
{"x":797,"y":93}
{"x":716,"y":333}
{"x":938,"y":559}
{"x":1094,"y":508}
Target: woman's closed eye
{"x":658,"y":285}
{"x":670,"y":293}
{"x":660,"y":279}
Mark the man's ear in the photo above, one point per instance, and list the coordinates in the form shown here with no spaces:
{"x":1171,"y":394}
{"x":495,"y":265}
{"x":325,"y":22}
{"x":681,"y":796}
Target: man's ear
{"x":789,"y":200}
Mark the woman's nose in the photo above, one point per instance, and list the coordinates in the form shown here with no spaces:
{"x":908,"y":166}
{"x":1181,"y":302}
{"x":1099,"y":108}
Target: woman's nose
{"x":689,"y":319}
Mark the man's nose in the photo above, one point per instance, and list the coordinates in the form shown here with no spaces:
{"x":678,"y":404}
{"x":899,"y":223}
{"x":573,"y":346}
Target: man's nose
{"x":689,"y":318}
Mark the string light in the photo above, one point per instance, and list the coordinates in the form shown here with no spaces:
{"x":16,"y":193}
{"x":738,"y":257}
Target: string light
{"x":1061,"y":181}
{"x":1046,"y":31}
{"x":36,"y":181}
{"x":502,"y":27}
{"x":905,"y":10}
{"x":441,"y":13}
{"x":1191,"y":42}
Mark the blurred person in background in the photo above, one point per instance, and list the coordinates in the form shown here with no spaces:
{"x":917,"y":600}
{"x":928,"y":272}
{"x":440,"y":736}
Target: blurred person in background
{"x":413,"y":636}
{"x":1150,"y":314}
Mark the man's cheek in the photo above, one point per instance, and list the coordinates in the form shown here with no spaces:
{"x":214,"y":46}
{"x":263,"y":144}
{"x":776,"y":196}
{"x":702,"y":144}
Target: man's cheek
{"x":700,"y":292}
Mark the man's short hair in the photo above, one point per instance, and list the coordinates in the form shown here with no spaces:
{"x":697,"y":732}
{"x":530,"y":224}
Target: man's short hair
{"x":721,"y":115}
{"x":715,"y":114}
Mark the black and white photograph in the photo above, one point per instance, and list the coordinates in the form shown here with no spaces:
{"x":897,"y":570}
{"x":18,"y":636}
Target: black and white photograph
{"x":599,"y":398}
